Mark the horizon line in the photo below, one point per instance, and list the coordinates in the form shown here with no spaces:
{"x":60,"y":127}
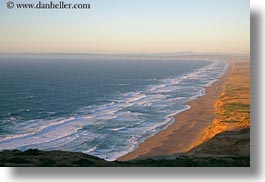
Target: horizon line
{"x":140,"y":53}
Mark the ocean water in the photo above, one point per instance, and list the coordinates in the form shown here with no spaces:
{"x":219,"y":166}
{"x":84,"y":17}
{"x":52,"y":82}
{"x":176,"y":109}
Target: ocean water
{"x":102,"y":107}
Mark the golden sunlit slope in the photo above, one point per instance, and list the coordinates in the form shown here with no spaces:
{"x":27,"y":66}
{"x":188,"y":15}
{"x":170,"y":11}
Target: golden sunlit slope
{"x":232,"y":111}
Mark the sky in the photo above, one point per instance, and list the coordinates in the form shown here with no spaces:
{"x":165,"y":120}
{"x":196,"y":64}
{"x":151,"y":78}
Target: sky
{"x":128,"y":26}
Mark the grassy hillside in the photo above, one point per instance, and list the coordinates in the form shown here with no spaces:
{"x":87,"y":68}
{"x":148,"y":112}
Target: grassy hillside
{"x":37,"y":158}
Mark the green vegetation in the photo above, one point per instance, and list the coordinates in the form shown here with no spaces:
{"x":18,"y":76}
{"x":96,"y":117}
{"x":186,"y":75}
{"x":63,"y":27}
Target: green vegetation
{"x":232,"y":91}
{"x":37,"y":158}
{"x":230,"y":121}
{"x":236,"y":107}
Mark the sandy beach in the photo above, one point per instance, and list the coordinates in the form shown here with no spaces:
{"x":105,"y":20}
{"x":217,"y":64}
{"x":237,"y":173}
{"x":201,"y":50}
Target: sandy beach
{"x":232,"y":109}
{"x":187,"y":128}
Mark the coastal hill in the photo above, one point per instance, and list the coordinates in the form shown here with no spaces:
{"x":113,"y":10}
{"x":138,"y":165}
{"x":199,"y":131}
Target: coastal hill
{"x":227,"y":143}
{"x":229,"y":133}
{"x":37,"y":158}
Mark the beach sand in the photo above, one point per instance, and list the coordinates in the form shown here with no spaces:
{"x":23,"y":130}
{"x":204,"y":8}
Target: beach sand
{"x":187,"y":128}
{"x":232,"y":109}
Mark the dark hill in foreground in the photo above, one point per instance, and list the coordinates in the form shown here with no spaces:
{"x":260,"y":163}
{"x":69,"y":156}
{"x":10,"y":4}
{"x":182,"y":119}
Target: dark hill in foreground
{"x":227,"y":143}
{"x":37,"y":158}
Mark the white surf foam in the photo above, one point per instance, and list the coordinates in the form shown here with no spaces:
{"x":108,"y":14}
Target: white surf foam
{"x":130,"y":115}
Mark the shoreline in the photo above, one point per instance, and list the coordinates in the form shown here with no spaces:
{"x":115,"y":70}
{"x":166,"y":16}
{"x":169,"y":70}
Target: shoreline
{"x":187,"y":127}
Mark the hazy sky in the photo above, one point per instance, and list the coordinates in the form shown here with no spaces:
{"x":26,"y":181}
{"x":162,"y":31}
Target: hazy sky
{"x":129,"y":26}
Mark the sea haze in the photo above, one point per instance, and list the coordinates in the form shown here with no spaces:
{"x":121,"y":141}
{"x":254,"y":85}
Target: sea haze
{"x":101,"y":107}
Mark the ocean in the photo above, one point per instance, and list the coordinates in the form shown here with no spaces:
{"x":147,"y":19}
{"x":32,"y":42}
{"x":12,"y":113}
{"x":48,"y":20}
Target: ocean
{"x":102,"y":107}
